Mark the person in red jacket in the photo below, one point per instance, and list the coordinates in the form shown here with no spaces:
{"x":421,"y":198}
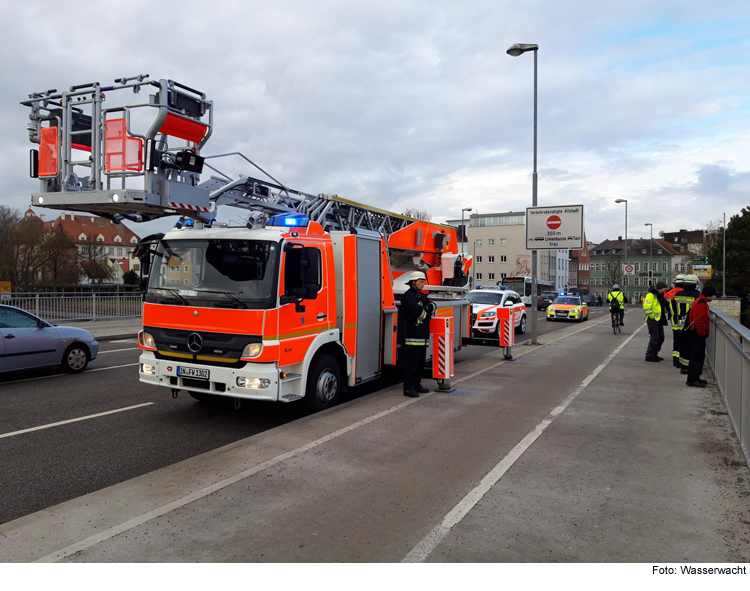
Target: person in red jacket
{"x":696,"y":333}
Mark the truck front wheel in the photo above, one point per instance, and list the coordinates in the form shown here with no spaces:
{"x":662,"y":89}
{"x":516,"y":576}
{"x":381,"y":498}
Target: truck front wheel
{"x":324,"y":384}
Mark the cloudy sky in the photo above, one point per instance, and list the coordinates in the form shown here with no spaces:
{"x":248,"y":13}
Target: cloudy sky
{"x":404,"y":104}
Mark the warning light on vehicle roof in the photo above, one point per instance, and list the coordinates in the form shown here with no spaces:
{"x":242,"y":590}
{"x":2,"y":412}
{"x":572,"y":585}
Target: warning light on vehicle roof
{"x":290,"y":220}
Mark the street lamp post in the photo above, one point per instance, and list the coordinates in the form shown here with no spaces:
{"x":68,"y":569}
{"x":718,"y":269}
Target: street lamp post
{"x":625,"y":201}
{"x":650,"y":254}
{"x":515,"y":50}
{"x":724,"y":260}
{"x":463,"y":228}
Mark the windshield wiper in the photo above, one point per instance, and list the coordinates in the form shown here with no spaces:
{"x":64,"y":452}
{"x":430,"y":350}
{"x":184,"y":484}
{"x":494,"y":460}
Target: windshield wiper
{"x":176,"y":294}
{"x":229,"y":295}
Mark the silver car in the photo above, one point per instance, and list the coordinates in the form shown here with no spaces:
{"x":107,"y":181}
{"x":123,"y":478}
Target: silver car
{"x":28,"y":342}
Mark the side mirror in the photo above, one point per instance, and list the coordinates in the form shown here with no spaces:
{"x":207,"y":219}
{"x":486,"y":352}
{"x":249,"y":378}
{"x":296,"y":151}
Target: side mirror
{"x":508,"y":303}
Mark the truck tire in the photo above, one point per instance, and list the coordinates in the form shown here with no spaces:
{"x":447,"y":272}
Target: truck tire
{"x":324,"y":384}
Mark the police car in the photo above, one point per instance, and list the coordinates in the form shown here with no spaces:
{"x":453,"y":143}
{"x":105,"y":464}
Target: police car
{"x":568,"y":307}
{"x":485,"y":300}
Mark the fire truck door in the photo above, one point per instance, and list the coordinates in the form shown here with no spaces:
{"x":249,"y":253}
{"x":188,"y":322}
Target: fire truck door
{"x":297,"y":328}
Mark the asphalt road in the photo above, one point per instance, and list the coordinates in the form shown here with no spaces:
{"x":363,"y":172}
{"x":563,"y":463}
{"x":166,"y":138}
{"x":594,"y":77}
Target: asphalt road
{"x":43,"y":463}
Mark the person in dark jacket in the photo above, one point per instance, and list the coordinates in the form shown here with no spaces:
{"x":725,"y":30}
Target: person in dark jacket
{"x":696,"y":334}
{"x":416,"y":311}
{"x":655,"y":313}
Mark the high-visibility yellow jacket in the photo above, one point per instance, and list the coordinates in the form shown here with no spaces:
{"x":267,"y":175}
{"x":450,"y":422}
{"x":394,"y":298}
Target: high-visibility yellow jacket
{"x":652,"y":307}
{"x":616,"y":295}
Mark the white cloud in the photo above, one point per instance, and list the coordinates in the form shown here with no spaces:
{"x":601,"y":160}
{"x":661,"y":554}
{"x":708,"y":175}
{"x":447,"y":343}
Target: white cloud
{"x":415,"y":104}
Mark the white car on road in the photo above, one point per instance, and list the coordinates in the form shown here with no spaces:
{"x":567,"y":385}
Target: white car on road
{"x":485,"y":300}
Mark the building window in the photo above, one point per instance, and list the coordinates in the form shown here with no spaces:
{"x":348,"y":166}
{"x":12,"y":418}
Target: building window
{"x":503,"y":275}
{"x":100,"y":238}
{"x":503,"y":242}
{"x":479,"y":259}
{"x":185,"y":281}
{"x":490,"y":242}
{"x":491,"y":259}
{"x":479,"y":276}
{"x":186,"y":268}
{"x":636,"y":281}
{"x":491,"y":276}
{"x":478,"y":243}
{"x":111,"y":250}
{"x":118,"y":239}
{"x":625,"y":281}
{"x":637,"y":266}
{"x":119,"y":253}
{"x":503,"y":258}
{"x":664,"y":266}
{"x":654,"y":266}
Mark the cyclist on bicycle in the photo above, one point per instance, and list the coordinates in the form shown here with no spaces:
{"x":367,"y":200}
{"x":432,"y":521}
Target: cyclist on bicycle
{"x":616,"y":301}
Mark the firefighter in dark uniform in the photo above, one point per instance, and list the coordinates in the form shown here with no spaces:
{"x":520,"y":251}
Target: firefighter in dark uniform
{"x":416,"y":311}
{"x":679,"y":301}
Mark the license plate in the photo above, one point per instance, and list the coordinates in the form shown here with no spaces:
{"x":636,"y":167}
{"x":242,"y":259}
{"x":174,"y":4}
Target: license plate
{"x":561,"y":313}
{"x":193,"y":372}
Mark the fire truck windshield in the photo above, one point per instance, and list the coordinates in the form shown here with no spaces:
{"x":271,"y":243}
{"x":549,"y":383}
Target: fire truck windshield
{"x":220,"y":273}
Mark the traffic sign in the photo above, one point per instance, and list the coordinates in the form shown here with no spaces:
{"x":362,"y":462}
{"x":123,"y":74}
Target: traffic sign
{"x":629,"y":269}
{"x":700,"y":260}
{"x":555,"y":227}
{"x":703,"y":271}
{"x":554,"y":222}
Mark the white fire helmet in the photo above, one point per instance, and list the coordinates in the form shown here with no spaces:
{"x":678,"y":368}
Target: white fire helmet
{"x":416,"y":275}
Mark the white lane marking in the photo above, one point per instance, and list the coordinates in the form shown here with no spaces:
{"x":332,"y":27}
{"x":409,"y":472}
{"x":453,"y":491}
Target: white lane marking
{"x":101,"y":414}
{"x":125,"y":341}
{"x":427,"y":545}
{"x":111,"y":367}
{"x":199,"y":494}
{"x":118,"y":350}
{"x":63,"y":375}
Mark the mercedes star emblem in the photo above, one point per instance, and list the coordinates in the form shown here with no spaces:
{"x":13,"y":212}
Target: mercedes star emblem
{"x":194,"y":342}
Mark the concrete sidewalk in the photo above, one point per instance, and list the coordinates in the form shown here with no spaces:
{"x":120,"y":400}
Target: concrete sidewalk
{"x":577,"y":451}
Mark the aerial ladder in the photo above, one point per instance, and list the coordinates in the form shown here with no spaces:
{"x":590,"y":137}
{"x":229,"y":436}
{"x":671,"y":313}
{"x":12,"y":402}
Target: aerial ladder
{"x":144,"y":160}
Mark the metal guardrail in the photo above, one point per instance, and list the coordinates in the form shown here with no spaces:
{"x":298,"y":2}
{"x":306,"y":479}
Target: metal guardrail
{"x":729,"y":356}
{"x":77,"y":306}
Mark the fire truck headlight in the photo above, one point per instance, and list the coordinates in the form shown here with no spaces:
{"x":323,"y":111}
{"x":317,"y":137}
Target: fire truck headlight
{"x":253,"y":383}
{"x":252,"y":350}
{"x":148,"y":369}
{"x":146,"y":341}
{"x":491,"y":314}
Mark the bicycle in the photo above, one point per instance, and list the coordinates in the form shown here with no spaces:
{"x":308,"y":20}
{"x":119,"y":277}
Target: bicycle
{"x":615,"y":322}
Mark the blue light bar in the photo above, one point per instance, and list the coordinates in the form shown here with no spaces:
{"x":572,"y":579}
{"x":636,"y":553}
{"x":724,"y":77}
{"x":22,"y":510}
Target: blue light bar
{"x":289,"y":220}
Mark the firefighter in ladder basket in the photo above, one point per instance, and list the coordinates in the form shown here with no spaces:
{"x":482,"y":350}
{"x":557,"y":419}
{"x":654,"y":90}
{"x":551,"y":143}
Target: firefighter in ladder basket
{"x":417,"y":310}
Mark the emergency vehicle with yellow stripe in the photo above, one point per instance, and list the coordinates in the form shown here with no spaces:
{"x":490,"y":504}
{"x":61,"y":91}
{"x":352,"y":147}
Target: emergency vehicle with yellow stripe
{"x":299,"y":303}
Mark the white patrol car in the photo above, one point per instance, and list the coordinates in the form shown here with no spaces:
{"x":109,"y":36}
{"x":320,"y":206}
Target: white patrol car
{"x":485,"y":300}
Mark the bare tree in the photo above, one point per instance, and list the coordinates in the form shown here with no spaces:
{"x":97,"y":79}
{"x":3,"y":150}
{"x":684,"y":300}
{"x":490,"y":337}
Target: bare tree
{"x":26,"y":251}
{"x":60,"y":259}
{"x":8,"y":220}
{"x":92,"y":258}
{"x":418,"y":214}
{"x":613,"y":270}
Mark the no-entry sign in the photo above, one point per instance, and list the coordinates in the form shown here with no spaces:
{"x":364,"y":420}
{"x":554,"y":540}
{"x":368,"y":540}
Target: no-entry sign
{"x":555,"y":227}
{"x":554,"y":222}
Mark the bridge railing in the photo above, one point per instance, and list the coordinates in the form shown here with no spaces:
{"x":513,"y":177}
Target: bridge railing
{"x":59,"y":307}
{"x":729,"y":356}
